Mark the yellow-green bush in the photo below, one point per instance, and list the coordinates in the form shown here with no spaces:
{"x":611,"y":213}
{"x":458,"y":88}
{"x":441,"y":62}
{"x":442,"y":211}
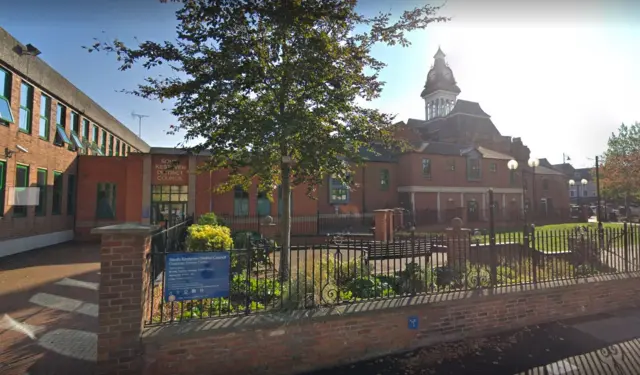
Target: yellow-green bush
{"x":208,"y":237}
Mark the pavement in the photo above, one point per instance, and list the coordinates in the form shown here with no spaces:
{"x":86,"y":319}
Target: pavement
{"x":49,"y":311}
{"x":600,"y":344}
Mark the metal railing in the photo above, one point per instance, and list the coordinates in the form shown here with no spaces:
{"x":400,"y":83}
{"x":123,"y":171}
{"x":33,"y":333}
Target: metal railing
{"x":344,"y":271}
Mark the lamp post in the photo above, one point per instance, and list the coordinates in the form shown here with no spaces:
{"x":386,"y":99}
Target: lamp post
{"x":513,"y":166}
{"x":533,"y":163}
{"x":583,"y":182}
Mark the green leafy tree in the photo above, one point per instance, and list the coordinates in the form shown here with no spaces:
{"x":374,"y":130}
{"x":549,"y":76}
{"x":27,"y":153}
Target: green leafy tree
{"x":271,"y":87}
{"x":620,"y":171}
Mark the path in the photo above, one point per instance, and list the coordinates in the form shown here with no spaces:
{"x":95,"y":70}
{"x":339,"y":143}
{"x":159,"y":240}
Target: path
{"x":49,"y":311}
{"x":595,"y":345}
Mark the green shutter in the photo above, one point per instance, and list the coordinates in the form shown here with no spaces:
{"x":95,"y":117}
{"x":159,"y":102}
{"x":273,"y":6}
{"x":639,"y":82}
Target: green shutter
{"x":41,"y":208}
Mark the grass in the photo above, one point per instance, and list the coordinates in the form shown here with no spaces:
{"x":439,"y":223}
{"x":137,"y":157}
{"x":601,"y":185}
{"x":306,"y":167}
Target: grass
{"x":555,"y":238}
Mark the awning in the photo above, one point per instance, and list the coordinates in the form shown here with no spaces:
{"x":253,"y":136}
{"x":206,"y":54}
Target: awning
{"x":62,"y":134}
{"x":5,"y":110}
{"x":76,"y":140}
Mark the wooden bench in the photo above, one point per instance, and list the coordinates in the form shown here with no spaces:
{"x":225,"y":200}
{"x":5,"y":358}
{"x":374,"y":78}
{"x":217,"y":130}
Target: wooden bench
{"x":397,"y":250}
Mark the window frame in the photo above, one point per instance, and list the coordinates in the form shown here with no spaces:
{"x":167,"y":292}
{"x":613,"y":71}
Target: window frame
{"x":339,"y":192}
{"x":5,"y":94}
{"x":41,"y":208}
{"x":240,"y":202}
{"x":111,"y":144}
{"x":61,"y":121}
{"x":95,"y":134}
{"x":471,"y":163}
{"x":493,"y":167}
{"x":57,"y":176}
{"x":103,"y":144}
{"x":261,"y":198}
{"x":3,"y":179}
{"x":26,"y":109}
{"x":26,"y":183}
{"x":281,"y":201}
{"x":384,"y":179}
{"x":117,"y":147}
{"x":46,"y":117}
{"x":426,"y":167}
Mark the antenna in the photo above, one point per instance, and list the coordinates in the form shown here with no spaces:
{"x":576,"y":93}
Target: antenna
{"x":134,"y":114}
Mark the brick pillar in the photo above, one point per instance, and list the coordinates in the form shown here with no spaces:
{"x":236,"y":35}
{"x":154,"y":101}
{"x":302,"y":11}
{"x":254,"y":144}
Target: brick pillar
{"x":382,"y":225}
{"x":458,"y":245}
{"x":124,"y":290}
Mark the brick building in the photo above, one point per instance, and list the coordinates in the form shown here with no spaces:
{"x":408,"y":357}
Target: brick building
{"x":458,"y":154}
{"x":45,"y":124}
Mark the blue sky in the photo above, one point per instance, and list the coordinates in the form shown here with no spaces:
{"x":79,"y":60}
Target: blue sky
{"x":561,"y":75}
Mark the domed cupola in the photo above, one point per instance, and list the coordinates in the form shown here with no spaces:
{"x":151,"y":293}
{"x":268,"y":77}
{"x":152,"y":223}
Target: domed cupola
{"x":440,"y":90}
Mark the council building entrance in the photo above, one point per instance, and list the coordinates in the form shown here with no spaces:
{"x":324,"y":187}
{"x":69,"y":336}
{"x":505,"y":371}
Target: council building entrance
{"x":169,"y":190}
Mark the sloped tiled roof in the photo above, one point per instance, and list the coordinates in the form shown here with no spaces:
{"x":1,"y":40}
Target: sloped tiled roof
{"x":468,"y":108}
{"x":490,"y":154}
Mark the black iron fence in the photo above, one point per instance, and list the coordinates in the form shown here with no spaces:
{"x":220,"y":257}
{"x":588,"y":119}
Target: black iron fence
{"x":309,"y":225}
{"x":343,"y":270}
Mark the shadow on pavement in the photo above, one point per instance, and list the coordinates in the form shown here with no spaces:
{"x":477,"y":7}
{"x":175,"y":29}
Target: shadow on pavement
{"x":549,"y":349}
{"x":60,"y":254}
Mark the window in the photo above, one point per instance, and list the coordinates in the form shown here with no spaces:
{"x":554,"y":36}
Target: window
{"x":572,"y":193}
{"x":41,"y":183}
{"x":95,"y":133}
{"x":45,"y":110}
{"x":128,"y":150}
{"x":110,"y":145}
{"x":22,"y":181}
{"x":384,"y":179}
{"x":71,"y":194}
{"x":26,"y":107}
{"x":545,"y":184}
{"x":473,"y":169}
{"x":169,"y":204}
{"x":6,"y":116}
{"x":103,"y":145}
{"x":106,"y":201}
{"x":493,"y":167}
{"x":338,"y":191}
{"x":117,"y":147}
{"x":123,"y":150}
{"x":451,"y":165}
{"x":61,"y":126}
{"x":584,"y":193}
{"x":75,"y":122}
{"x":240,"y":202}
{"x":3,"y":178}
{"x":85,"y":129}
{"x":280,"y":201}
{"x":264,"y":204}
{"x":56,"y":205}
{"x":426,"y":168}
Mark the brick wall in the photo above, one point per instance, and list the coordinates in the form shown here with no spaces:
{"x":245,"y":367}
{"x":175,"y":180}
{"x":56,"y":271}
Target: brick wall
{"x":327,"y":339}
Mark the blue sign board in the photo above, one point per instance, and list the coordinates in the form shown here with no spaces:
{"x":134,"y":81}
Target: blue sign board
{"x":414,"y":322}
{"x":190,"y":276}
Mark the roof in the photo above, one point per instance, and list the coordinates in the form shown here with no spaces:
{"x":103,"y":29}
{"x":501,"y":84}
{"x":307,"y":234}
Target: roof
{"x":440,"y":77}
{"x":467,"y":121}
{"x":490,"y":154}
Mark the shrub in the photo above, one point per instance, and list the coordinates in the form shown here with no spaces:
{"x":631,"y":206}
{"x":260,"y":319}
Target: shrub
{"x":210,"y":219}
{"x":208,"y":238}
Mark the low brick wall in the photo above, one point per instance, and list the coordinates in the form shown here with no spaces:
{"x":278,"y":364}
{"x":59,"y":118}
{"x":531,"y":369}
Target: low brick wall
{"x":293,"y":343}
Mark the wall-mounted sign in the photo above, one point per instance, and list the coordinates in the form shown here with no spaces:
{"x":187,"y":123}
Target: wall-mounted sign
{"x":190,"y":276}
{"x":169,"y":170}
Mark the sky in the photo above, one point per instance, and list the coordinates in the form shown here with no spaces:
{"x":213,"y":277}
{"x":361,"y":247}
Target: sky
{"x":558,"y":74}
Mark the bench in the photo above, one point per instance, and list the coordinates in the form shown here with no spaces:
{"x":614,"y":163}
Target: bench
{"x":397,"y":250}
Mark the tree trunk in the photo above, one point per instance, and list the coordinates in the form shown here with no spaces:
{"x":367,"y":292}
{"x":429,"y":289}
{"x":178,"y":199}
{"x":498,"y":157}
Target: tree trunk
{"x":285,"y":252}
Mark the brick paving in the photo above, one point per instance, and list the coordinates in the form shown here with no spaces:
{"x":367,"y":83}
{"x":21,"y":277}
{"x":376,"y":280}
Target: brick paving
{"x":48,"y":314}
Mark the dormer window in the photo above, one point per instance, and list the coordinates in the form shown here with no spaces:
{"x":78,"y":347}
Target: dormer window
{"x":473,"y":169}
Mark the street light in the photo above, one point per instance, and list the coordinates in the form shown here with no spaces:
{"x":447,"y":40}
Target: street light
{"x":533,"y":163}
{"x":513,"y":165}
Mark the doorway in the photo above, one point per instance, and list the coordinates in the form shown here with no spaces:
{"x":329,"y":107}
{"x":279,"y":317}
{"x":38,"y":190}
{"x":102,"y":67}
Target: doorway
{"x":473,"y":214}
{"x":169,"y":204}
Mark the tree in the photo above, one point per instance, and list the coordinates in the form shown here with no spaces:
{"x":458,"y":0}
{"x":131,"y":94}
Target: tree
{"x":620,"y":171}
{"x":270,"y":87}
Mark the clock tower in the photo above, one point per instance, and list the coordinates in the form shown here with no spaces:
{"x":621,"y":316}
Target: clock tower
{"x":440,"y":90}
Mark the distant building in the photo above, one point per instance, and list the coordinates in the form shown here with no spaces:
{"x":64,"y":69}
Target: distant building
{"x":585,"y":194}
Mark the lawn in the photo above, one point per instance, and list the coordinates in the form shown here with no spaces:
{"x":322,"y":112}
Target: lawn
{"x":555,"y":238}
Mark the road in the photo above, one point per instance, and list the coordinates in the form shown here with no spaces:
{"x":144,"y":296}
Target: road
{"x":49,"y":311}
